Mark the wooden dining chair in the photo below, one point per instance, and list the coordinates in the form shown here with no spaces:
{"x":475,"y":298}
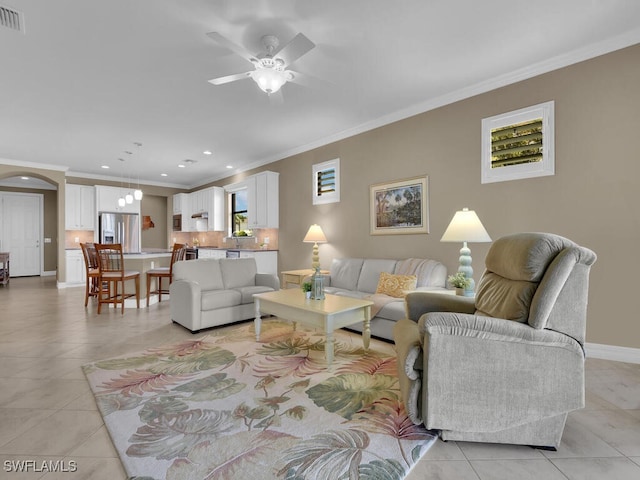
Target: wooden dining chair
{"x":92,"y":271}
{"x":159,"y":273}
{"x":112,"y":278}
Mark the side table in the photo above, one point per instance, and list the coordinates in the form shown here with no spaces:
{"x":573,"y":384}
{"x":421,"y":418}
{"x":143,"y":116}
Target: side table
{"x":296,"y":277}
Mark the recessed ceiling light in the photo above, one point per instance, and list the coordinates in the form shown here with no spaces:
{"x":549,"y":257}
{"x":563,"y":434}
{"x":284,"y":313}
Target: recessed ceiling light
{"x":207,"y":152}
{"x":164,"y":175}
{"x":229,"y":166}
{"x":181,"y":165}
{"x":105,"y":166}
{"x":24,"y":178}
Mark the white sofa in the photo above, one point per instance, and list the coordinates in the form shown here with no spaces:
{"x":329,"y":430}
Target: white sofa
{"x":359,"y":277}
{"x":210,"y":292}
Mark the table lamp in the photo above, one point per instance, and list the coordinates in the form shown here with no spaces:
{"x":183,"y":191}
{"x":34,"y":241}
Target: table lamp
{"x":315,"y":235}
{"x":466,"y":227}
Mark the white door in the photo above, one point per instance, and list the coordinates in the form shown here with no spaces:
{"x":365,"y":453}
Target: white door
{"x":21,"y":224}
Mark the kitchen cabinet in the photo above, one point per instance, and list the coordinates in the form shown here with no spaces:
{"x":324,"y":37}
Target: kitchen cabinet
{"x":262,"y":199}
{"x":211,"y":253}
{"x":209,"y":202}
{"x":182,"y":207}
{"x":266,"y":261}
{"x":74,"y":262}
{"x":80,"y":207}
{"x":107,"y":200}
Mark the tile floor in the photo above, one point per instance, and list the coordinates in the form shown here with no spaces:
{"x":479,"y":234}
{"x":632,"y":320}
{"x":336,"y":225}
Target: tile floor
{"x":47,"y":411}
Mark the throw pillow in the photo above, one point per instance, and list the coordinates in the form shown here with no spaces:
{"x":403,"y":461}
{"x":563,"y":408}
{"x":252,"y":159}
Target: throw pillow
{"x":396,"y":285}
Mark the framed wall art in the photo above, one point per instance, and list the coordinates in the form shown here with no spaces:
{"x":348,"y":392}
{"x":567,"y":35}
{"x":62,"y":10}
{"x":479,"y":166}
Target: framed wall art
{"x":400,"y":207}
{"x":518,"y":144}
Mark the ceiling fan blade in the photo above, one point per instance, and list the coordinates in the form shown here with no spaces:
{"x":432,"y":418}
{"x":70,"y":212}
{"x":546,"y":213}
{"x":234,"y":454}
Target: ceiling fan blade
{"x":230,"y":78}
{"x":293,"y":50}
{"x":303,"y":79}
{"x":243,"y":52}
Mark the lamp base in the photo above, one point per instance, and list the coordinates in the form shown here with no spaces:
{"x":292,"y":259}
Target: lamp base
{"x":315,"y":258}
{"x":465,"y":267}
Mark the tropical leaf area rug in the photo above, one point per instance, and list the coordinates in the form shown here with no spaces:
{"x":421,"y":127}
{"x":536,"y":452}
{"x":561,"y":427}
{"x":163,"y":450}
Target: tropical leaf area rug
{"x":227,"y":407}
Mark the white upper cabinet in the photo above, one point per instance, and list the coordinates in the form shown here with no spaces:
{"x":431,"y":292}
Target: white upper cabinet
{"x":107,"y":200}
{"x":80,"y":207}
{"x":209,"y":203}
{"x":262,"y":199}
{"x":182,"y":207}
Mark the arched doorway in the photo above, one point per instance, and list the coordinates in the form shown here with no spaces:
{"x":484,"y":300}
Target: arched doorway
{"x":20,"y":186}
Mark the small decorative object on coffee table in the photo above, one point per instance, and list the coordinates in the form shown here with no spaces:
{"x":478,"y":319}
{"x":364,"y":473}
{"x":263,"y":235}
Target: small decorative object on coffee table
{"x":306,"y":288}
{"x":317,"y":285}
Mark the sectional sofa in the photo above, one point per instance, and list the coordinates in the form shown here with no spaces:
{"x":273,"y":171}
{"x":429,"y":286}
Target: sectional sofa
{"x":382,"y":281}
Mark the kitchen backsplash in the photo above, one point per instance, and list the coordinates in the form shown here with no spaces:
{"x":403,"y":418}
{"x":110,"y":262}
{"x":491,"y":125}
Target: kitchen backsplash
{"x":73,"y":238}
{"x":218,"y":239}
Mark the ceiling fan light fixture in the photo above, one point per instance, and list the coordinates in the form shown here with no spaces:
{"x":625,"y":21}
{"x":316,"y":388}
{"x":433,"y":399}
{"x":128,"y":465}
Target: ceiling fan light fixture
{"x":269,"y":80}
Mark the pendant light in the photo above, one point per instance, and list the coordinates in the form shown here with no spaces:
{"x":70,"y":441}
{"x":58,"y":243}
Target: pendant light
{"x":121,"y":200}
{"x":137,"y":194}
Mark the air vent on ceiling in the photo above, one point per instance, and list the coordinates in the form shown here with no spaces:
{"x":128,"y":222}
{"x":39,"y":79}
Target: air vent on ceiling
{"x":12,"y":19}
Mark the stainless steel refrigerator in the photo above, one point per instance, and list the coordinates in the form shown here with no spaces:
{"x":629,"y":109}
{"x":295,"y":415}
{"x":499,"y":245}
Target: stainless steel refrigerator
{"x":123,"y":228}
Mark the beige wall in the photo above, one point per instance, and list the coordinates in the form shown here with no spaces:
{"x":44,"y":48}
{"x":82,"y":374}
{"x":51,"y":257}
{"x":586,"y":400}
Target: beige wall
{"x":591,"y":199}
{"x":155,"y":207}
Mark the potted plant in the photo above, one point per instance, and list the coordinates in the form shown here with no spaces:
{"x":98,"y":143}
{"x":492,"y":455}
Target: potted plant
{"x":306,"y":288}
{"x":460,"y":282}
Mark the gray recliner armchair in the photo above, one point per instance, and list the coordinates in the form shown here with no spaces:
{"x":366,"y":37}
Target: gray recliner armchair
{"x":508,"y":365}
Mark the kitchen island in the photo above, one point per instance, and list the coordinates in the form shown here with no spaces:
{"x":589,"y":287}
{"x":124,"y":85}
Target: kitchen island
{"x":142,"y":262}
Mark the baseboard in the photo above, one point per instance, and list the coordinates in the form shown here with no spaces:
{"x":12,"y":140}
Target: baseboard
{"x":50,"y":273}
{"x":612,"y":352}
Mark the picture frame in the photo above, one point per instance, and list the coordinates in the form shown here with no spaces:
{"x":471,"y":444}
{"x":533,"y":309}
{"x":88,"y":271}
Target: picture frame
{"x":400,"y":207}
{"x":519,"y":144}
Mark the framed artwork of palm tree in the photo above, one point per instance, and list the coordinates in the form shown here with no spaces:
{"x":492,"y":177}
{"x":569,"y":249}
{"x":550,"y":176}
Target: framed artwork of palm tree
{"x":400,"y":207}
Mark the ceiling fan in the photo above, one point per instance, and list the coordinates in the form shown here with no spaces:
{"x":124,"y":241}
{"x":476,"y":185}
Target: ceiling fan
{"x":270,"y":67}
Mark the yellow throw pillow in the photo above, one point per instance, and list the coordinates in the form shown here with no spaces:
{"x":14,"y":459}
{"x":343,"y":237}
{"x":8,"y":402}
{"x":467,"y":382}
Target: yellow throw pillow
{"x":396,"y":285}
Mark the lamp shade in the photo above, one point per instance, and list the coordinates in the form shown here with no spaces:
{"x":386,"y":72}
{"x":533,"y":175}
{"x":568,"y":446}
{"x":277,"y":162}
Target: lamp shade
{"x":315,"y":235}
{"x":465,"y":227}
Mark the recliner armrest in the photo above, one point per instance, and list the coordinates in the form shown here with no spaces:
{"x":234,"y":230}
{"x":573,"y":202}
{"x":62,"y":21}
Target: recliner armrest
{"x":496,"y":329}
{"x":419,"y":303}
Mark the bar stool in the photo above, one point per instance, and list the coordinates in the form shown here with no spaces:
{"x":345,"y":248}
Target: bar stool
{"x":113,"y":276}
{"x":92,"y":270}
{"x":159,"y":273}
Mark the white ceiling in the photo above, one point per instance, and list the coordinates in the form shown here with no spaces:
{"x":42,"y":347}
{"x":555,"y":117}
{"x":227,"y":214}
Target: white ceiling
{"x":90,"y":78}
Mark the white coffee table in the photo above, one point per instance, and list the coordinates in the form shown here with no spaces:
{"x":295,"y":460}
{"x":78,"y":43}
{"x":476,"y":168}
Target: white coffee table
{"x":333,"y":312}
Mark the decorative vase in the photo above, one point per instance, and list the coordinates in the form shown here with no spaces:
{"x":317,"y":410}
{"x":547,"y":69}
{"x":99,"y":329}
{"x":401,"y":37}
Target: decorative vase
{"x":307,"y":294}
{"x":460,"y":291}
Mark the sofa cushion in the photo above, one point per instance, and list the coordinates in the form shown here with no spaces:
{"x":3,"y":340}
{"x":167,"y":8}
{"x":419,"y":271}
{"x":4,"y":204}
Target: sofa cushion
{"x":396,"y":285}
{"x":205,"y":271}
{"x":345,"y":273}
{"x":393,"y":311}
{"x":370,"y":273}
{"x":430,"y":273}
{"x":248,"y":292}
{"x":213,"y":299}
{"x":238,"y":272}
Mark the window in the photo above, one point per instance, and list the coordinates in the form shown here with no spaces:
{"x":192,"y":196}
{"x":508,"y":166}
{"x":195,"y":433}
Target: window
{"x":239,"y":218}
{"x":326,"y":182}
{"x":518,"y":144}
